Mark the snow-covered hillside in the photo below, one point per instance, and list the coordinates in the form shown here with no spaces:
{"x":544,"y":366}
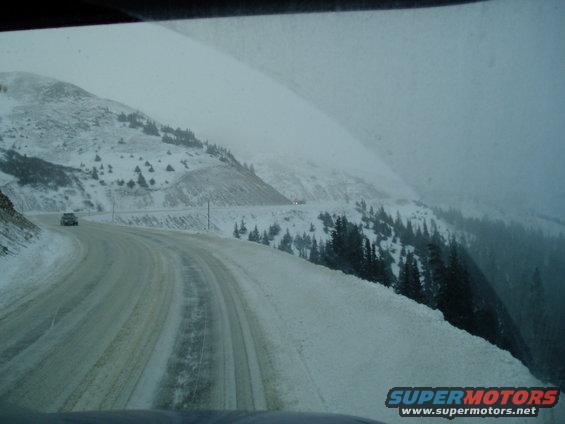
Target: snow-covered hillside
{"x":339,"y":343}
{"x":381,"y":242}
{"x":16,"y":232}
{"x":101,"y":153}
{"x":27,"y":252}
{"x":297,"y":219}
{"x":308,"y":180}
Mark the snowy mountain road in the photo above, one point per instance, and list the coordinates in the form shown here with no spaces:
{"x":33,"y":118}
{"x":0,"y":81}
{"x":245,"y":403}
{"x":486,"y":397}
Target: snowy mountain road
{"x":133,"y":319}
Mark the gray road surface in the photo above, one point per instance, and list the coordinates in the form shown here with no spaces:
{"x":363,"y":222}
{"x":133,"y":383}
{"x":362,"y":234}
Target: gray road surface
{"x":133,"y":318}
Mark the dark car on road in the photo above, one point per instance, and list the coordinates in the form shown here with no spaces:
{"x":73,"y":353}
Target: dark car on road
{"x":69,"y":219}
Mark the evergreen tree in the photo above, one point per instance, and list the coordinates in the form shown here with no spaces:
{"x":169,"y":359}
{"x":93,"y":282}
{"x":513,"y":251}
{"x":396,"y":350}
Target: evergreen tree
{"x":367,"y":266}
{"x":141,"y":180}
{"x":322,"y":255}
{"x":415,"y":288}
{"x":427,"y":285}
{"x":425,"y":231}
{"x":242,"y":227}
{"x":286,"y":243}
{"x":236,"y":231}
{"x":536,"y":301}
{"x":437,"y":276}
{"x":456,"y":301}
{"x":409,"y":283}
{"x":265,"y":238}
{"x":302,"y":243}
{"x":386,"y":276}
{"x":314,"y":252}
{"x":327,"y":221}
{"x":254,"y":235}
{"x":274,"y":230}
{"x":399,"y":287}
{"x":150,"y":128}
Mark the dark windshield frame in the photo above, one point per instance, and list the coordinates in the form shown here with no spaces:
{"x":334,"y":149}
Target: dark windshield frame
{"x":18,"y":15}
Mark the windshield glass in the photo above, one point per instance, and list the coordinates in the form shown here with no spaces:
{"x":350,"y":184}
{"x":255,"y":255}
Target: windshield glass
{"x":292,"y":212}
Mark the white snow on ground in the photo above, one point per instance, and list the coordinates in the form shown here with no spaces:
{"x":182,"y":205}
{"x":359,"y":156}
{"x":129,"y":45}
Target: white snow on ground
{"x":60,"y":123}
{"x":338,"y":343}
{"x":31,"y":266}
{"x":297,"y":219}
{"x":302,"y":179}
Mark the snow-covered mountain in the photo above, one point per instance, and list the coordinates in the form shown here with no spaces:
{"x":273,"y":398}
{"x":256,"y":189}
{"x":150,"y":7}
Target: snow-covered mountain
{"x":64,"y":148}
{"x":338,"y":170}
{"x":311,"y":181}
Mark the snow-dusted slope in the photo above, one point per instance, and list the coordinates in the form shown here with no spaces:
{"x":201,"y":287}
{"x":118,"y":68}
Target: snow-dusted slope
{"x":102,"y":151}
{"x":339,"y":343}
{"x":296,"y":219}
{"x":309,"y":180}
{"x":27,"y":252}
{"x":30,"y":260}
{"x":16,"y":232}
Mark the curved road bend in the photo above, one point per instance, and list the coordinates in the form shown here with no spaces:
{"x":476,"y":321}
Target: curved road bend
{"x":138,"y":318}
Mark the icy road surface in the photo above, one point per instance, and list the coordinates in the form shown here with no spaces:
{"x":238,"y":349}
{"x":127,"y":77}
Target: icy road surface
{"x":135,"y":318}
{"x":145,"y":318}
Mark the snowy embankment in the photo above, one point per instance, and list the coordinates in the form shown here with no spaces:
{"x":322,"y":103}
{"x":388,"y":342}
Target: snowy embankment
{"x":32,"y":265}
{"x":296,"y":218}
{"x":337,"y":343}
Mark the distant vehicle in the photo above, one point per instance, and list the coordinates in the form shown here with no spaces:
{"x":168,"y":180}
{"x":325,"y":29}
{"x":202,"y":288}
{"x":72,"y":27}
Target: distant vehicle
{"x":69,"y":219}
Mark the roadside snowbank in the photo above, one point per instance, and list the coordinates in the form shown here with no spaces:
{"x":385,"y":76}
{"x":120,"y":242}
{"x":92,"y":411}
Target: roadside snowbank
{"x":338,"y":344}
{"x":32,"y":266}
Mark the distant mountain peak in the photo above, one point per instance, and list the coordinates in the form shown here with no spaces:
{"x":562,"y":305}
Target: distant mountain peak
{"x":21,"y":85}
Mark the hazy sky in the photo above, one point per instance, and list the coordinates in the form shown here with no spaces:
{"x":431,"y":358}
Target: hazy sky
{"x":183,"y":83}
{"x":465,"y":99}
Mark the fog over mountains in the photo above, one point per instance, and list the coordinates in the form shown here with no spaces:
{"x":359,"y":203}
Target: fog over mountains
{"x":64,"y":148}
{"x":190,"y":85}
{"x":463,"y":102}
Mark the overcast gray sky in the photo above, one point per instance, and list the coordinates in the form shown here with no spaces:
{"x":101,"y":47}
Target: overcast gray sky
{"x":465,"y":99}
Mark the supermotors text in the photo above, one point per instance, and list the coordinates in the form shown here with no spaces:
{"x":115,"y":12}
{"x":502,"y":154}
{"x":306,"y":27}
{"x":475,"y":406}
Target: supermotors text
{"x":452,"y":402}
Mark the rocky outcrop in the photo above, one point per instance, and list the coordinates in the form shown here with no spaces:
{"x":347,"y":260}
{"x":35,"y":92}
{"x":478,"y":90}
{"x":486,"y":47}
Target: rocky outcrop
{"x":6,"y":204}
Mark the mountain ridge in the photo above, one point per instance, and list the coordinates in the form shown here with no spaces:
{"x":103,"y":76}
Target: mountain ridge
{"x":113,"y":151}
